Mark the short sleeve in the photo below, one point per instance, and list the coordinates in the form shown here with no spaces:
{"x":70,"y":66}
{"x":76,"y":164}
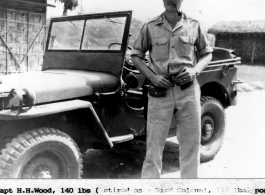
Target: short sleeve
{"x":142,"y":43}
{"x":202,"y":43}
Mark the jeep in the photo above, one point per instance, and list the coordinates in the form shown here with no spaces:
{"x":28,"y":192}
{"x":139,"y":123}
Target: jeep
{"x":89,"y":95}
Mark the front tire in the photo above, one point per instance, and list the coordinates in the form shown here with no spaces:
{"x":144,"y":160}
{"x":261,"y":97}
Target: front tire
{"x":41,"y":153}
{"x":212,"y":127}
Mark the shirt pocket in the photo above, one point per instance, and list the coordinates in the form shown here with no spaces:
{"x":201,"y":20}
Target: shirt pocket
{"x":160,"y":49}
{"x":186,"y":48}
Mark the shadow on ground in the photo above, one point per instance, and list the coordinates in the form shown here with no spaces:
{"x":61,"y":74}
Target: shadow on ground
{"x":125,"y":160}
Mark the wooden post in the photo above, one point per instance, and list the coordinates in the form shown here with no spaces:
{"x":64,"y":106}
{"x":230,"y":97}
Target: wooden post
{"x":253,"y":53}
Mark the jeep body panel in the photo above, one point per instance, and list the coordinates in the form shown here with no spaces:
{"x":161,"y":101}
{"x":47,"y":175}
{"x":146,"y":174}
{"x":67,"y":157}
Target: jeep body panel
{"x":109,"y":62}
{"x":57,"y":85}
{"x":214,"y":84}
{"x":42,"y":110}
{"x":219,"y":78}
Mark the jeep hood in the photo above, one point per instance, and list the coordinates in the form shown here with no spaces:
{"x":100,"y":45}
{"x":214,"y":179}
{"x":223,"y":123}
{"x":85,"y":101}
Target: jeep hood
{"x":56,"y":85}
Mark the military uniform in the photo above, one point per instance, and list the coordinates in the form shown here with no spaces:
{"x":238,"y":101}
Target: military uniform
{"x":170,"y":50}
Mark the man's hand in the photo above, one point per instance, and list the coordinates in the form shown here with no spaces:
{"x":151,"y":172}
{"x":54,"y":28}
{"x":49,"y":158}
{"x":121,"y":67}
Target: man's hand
{"x":156,"y":80}
{"x":160,"y":81}
{"x":187,"y":75}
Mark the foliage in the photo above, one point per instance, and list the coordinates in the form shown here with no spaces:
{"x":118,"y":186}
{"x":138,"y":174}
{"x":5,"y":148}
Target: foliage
{"x":68,"y":5}
{"x":135,"y":28}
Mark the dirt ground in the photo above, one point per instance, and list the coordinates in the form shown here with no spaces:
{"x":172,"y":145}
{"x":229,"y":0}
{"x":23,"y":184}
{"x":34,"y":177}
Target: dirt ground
{"x":241,"y":156}
{"x":125,"y":161}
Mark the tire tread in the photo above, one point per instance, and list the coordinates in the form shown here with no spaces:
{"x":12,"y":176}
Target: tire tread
{"x":207,"y":100}
{"x":22,"y":142}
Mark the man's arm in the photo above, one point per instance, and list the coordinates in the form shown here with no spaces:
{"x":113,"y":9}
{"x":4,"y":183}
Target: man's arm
{"x":203,"y":62}
{"x":189,"y":74}
{"x":205,"y":53}
{"x":156,"y":80}
{"x":141,"y":45}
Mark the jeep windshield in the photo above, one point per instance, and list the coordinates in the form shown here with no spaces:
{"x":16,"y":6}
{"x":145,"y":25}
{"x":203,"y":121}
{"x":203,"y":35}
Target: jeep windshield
{"x":100,"y":33}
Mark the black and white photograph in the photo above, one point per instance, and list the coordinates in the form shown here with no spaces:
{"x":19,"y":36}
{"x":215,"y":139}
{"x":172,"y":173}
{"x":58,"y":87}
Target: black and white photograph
{"x":142,"y":91}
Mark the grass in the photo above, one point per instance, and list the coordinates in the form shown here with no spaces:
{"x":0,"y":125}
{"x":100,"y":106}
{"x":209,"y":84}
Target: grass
{"x":251,"y":73}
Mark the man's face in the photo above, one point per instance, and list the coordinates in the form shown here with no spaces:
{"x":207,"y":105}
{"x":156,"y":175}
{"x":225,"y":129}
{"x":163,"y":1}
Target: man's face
{"x":172,"y":5}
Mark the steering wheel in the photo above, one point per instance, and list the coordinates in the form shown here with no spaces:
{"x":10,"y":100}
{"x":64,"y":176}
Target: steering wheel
{"x":114,"y":44}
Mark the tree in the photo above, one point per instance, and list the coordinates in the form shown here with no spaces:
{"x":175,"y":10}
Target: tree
{"x":135,"y":28}
{"x":68,"y":5}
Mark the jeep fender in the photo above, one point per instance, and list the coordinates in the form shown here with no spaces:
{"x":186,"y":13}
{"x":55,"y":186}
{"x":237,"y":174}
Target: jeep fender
{"x":218,"y":91}
{"x":53,"y":108}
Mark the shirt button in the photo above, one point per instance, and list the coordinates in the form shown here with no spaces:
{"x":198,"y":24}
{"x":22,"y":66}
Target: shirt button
{"x":172,"y":46}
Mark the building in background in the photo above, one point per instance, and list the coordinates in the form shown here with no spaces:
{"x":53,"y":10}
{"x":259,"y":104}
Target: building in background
{"x":247,"y":38}
{"x":22,"y":35}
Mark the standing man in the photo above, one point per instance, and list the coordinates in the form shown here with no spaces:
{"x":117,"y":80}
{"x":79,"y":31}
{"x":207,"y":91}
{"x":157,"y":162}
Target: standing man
{"x":171,"y":40}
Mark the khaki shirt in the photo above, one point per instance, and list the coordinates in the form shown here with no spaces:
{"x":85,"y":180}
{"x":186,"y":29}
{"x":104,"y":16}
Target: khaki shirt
{"x":171,"y":49}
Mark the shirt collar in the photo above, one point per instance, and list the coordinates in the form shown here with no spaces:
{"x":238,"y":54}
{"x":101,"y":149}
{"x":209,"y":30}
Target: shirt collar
{"x":162,"y":20}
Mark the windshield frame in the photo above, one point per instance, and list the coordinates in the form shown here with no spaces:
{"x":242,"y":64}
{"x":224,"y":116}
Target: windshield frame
{"x":111,"y":15}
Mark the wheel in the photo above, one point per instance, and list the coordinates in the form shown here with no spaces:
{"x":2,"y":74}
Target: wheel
{"x":41,"y":153}
{"x":212,"y":127}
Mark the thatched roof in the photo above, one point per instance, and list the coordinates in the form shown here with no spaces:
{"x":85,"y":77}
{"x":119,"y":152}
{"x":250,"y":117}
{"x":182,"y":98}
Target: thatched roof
{"x":254,"y":26}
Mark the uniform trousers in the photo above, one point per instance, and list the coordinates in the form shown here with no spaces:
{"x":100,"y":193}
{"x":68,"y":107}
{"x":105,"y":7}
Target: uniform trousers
{"x":186,"y":105}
